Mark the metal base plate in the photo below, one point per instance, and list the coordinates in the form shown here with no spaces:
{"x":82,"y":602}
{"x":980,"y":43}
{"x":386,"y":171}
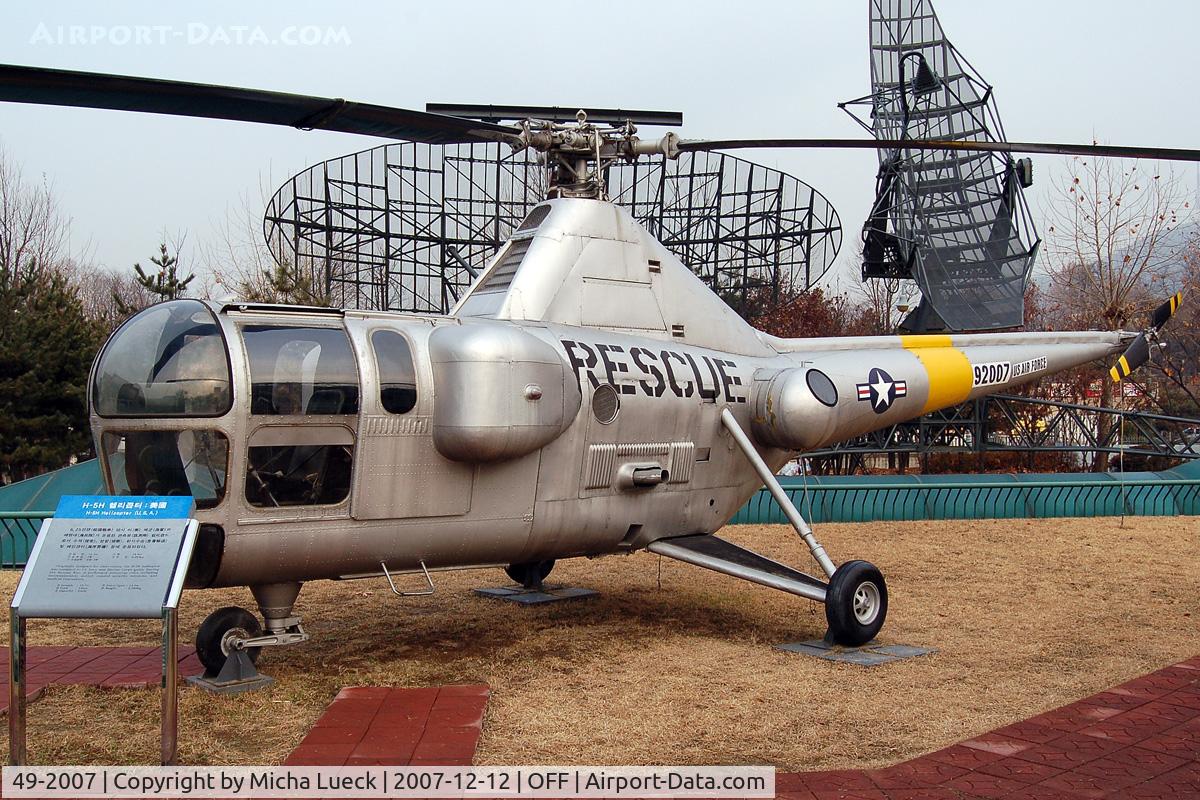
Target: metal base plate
{"x":210,"y":684}
{"x":869,"y":655}
{"x":237,"y":675}
{"x":528,"y":597}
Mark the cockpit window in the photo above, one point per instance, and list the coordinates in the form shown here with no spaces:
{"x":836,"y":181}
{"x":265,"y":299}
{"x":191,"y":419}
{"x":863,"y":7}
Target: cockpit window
{"x":167,"y":361}
{"x":397,"y":375}
{"x":288,"y":465}
{"x":191,"y":462}
{"x":299,"y":370}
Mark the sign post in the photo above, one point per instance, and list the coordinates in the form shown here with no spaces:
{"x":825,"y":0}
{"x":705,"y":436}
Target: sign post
{"x":105,"y":557}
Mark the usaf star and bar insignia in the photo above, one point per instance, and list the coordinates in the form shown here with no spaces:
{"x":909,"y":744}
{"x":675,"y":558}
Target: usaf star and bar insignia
{"x":881,"y":390}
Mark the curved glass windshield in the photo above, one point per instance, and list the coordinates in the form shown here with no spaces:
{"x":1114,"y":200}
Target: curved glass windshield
{"x":193,"y":462}
{"x":166,"y":361}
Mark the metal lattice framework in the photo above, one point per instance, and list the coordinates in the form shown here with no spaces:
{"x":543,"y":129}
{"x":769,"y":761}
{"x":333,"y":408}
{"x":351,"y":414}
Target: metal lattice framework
{"x":402,"y":226}
{"x":954,"y":221}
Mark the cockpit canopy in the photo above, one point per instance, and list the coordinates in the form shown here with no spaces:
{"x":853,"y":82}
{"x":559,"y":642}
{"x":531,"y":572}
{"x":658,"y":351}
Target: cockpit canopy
{"x":167,"y":361}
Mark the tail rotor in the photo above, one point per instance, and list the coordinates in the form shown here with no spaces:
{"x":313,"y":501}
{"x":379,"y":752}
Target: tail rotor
{"x":1138,"y":352}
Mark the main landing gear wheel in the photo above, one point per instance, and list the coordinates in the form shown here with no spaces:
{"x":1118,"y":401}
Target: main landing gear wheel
{"x":530,"y":575}
{"x":855,"y":603}
{"x":217,"y":633}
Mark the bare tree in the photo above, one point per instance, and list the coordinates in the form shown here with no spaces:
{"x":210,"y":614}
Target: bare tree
{"x":885,"y":301}
{"x":1177,"y":364}
{"x":34,"y":233}
{"x":1113,"y":248}
{"x":243,"y":265}
{"x":1111,"y":244}
{"x":238,"y":257}
{"x":107,"y":296}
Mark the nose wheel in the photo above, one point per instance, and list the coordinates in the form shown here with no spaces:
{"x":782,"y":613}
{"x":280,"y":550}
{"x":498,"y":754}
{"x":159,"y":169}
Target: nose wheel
{"x":856,"y":603}
{"x":217,"y":635}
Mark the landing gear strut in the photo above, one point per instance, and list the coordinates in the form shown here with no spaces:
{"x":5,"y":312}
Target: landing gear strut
{"x":856,"y":599}
{"x":530,"y":575}
{"x":231,"y":629}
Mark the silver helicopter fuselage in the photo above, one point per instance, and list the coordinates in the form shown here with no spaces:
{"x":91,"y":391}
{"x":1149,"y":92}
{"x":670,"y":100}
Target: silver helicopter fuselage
{"x":569,"y":405}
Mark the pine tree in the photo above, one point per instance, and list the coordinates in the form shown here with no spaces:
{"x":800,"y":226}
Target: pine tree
{"x":46,"y":349}
{"x":163,"y":282}
{"x":283,"y":284}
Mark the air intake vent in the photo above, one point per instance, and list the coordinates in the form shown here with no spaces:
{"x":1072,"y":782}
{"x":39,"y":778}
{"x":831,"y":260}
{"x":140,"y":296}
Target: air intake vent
{"x":535,"y":218}
{"x":501,"y":277}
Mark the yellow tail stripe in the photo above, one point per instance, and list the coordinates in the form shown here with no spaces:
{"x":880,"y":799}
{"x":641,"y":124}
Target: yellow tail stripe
{"x":950,"y":375}
{"x":1125,"y":370}
{"x":1116,"y":376}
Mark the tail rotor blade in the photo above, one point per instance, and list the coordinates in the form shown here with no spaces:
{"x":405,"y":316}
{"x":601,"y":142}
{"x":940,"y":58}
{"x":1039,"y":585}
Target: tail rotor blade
{"x":1135,"y":355}
{"x":1166,"y":311}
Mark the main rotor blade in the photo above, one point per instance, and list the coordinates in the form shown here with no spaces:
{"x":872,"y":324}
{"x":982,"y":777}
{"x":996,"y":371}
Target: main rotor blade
{"x":60,"y":87}
{"x":607,"y":116}
{"x":1105,"y":150}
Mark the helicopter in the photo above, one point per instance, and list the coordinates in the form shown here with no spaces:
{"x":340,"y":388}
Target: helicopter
{"x":587,"y":396}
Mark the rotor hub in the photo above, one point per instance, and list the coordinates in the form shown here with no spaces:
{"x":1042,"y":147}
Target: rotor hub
{"x":577,"y":155}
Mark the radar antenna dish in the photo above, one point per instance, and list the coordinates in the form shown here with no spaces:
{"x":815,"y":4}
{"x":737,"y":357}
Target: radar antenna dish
{"x":400,"y":227}
{"x":955,"y":221}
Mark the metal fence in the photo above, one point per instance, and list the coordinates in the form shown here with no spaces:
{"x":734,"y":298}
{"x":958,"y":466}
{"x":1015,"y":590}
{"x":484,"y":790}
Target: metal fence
{"x":918,"y":497}
{"x":18,"y":530}
{"x":885,"y":498}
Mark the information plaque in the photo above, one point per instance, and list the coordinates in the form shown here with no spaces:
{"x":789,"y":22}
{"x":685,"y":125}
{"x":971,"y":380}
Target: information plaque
{"x":105,"y":557}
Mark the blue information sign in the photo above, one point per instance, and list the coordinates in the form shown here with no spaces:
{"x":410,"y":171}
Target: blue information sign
{"x":108,"y":556}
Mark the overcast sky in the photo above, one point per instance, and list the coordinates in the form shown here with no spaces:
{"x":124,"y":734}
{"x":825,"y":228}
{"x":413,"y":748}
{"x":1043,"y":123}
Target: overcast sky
{"x":1063,"y":70}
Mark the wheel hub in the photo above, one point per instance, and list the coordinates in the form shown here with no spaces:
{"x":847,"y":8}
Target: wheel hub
{"x":231,"y":639}
{"x":866,"y":602}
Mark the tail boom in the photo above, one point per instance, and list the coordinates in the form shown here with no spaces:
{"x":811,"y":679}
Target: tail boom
{"x":866,"y":383}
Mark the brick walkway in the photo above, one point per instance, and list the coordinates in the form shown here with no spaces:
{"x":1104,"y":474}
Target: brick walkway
{"x":133,"y":667}
{"x":369,"y":726}
{"x":1138,"y":740}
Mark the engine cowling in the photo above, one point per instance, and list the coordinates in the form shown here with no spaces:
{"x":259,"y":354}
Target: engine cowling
{"x":501,"y":393}
{"x":809,"y":406}
{"x":788,"y":412}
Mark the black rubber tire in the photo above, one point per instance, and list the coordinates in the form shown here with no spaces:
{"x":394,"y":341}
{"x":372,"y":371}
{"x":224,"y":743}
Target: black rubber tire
{"x":845,"y":628}
{"x":530,"y":575}
{"x":213,"y":630}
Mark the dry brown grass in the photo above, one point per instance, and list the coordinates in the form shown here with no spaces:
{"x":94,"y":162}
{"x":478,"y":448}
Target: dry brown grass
{"x":1026,"y":615}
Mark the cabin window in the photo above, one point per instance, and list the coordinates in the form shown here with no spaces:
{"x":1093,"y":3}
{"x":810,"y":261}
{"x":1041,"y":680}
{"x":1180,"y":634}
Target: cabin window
{"x":300,"y":370}
{"x":309,"y":466}
{"x":166,"y":361}
{"x":397,"y":375}
{"x":190,"y":462}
